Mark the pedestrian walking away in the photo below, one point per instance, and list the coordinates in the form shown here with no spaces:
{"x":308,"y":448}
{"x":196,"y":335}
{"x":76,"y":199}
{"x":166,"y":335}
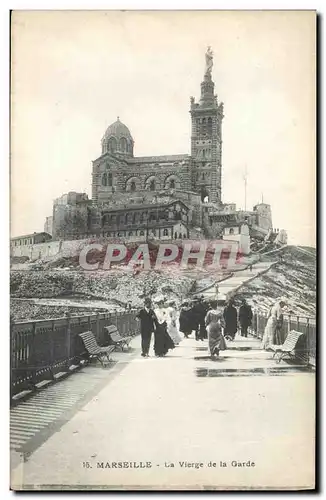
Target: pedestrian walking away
{"x":230,"y":316}
{"x":202,"y":311}
{"x":245,"y":317}
{"x":185,"y":319}
{"x":198,"y":317}
{"x":214,"y":322}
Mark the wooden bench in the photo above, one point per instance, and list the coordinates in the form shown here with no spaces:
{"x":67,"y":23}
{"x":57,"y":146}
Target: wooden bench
{"x":94,"y":350}
{"x":116,"y":338}
{"x":288,"y":347}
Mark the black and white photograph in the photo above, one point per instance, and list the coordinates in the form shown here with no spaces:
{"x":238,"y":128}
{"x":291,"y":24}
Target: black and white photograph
{"x":163,"y":250}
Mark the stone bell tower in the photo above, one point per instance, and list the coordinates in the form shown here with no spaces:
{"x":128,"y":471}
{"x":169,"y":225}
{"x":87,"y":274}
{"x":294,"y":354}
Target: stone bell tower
{"x":206,"y":138}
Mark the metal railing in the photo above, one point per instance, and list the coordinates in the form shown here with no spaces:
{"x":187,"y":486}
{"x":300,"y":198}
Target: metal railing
{"x":42,"y":349}
{"x":304,"y":324}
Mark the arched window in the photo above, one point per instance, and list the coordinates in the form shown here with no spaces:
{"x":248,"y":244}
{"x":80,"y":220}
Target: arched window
{"x":209,"y":126}
{"x":203,"y":176}
{"x":143,"y":217}
{"x":152,"y":183}
{"x":203,"y":127}
{"x":175,"y":235}
{"x":165,"y":232}
{"x":130,"y":233}
{"x":104,"y":180}
{"x":231,"y":230}
{"x":132,"y":184}
{"x":180,"y":236}
{"x":141,"y":233}
{"x":172,"y":182}
{"x":112,"y":144}
{"x":123,"y":144}
{"x":109,"y":179}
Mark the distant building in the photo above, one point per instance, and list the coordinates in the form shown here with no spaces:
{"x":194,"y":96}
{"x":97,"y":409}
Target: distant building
{"x":282,"y":237}
{"x":153,"y":221}
{"x":70,"y":218}
{"x":238,"y":232}
{"x":263,"y":213}
{"x":48,"y":225}
{"x":30,"y":239}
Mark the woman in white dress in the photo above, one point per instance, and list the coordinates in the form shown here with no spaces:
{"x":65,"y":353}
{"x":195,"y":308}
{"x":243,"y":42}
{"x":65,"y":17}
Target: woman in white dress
{"x":172,"y":323}
{"x":274,"y":318}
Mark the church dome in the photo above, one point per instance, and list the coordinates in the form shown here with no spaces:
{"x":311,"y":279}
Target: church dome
{"x":117,"y":129}
{"x":118,"y":139}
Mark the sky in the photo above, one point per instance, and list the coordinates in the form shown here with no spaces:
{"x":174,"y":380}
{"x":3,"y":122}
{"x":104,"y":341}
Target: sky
{"x":74,"y":72}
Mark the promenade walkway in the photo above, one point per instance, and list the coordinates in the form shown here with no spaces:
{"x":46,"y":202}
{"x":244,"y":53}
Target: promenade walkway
{"x":183,"y":408}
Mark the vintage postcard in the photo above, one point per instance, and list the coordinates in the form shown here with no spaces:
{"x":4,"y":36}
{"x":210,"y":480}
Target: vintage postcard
{"x":162,"y":251}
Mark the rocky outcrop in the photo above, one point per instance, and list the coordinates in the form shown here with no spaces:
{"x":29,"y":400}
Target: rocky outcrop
{"x":293,"y":277}
{"x":116,"y":286}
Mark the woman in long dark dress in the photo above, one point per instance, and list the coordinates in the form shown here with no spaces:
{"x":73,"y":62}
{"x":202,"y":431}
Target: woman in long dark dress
{"x":202,"y":333}
{"x":163,"y":341}
{"x":230,"y":316}
{"x":185,"y":320}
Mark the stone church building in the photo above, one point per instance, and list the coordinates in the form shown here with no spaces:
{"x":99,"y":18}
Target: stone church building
{"x":165,"y":197}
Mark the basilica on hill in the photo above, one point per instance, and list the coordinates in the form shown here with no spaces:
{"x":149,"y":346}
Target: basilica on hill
{"x":118,"y":171}
{"x":158,"y":197}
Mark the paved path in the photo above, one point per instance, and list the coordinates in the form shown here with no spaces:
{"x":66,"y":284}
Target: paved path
{"x":239,"y":278}
{"x":182,"y":408}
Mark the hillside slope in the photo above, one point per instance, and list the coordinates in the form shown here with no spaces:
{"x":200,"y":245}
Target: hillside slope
{"x":293,"y":277}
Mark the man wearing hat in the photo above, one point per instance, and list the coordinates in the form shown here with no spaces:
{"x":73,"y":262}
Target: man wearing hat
{"x":147,"y":320}
{"x":245,"y":317}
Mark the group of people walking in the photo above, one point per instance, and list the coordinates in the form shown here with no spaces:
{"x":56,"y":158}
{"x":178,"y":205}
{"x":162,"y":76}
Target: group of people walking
{"x":206,"y":319}
{"x":193,"y":317}
{"x":162,"y":321}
